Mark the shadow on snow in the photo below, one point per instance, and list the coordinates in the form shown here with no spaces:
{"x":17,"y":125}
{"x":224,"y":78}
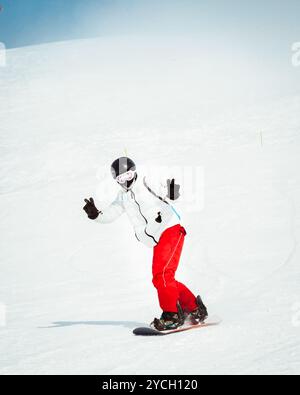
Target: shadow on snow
{"x":64,"y":324}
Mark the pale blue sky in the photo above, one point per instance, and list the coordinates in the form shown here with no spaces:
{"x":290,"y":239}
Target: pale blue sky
{"x":274,"y":24}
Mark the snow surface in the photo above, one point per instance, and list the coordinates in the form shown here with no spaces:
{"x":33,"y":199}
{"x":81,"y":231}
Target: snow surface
{"x":74,"y":290}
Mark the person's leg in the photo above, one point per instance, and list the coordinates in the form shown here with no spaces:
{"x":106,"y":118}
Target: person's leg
{"x":165,"y":263}
{"x":187,"y":299}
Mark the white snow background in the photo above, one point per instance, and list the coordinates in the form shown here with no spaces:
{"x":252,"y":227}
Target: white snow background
{"x":72,"y":291}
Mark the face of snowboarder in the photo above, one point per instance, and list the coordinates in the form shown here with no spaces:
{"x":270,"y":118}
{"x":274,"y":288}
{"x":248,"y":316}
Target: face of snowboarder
{"x":126,"y":180}
{"x":123,"y":171}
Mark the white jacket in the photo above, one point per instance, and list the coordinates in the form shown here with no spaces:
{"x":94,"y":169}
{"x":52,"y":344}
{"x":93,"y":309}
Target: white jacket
{"x":149,"y":213}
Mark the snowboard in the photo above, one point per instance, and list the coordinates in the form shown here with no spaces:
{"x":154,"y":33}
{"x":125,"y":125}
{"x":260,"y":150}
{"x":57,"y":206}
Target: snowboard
{"x":149,"y":331}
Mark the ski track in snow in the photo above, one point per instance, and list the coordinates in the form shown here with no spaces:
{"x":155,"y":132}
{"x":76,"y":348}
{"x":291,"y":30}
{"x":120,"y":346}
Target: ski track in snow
{"x":74,"y":290}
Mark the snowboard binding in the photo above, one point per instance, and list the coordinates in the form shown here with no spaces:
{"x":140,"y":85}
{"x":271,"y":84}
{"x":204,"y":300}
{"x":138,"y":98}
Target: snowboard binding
{"x":199,"y":315}
{"x":169,"y":321}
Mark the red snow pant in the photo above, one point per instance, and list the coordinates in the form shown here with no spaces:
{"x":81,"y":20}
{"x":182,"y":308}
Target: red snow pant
{"x":166,"y":259}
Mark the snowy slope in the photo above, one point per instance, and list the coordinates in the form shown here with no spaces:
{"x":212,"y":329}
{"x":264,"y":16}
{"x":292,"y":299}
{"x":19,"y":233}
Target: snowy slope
{"x":74,"y":290}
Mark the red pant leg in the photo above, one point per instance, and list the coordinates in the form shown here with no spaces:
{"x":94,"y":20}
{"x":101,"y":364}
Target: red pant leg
{"x":165,"y":263}
{"x":186,"y":298}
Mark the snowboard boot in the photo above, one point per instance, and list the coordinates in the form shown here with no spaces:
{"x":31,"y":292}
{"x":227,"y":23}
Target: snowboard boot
{"x":199,"y":315}
{"x":169,"y":321}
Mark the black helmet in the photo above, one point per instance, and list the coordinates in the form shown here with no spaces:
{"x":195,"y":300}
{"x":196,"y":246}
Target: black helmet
{"x":121,"y":166}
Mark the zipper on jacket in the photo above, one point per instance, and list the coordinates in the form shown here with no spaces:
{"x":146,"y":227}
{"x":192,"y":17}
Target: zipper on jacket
{"x":140,"y":210}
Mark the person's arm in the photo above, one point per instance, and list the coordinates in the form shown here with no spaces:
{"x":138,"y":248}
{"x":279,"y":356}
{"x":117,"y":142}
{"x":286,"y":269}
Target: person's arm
{"x":112,"y":213}
{"x":167,"y":190}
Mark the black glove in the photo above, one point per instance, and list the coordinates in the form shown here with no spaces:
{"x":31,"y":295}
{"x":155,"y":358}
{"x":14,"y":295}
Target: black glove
{"x":173,"y":190}
{"x":91,"y":209}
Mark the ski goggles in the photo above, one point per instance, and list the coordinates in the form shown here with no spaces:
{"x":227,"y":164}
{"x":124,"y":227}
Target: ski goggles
{"x":126,"y":177}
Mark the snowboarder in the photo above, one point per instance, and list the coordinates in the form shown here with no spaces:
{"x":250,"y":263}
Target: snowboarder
{"x":157,"y":225}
